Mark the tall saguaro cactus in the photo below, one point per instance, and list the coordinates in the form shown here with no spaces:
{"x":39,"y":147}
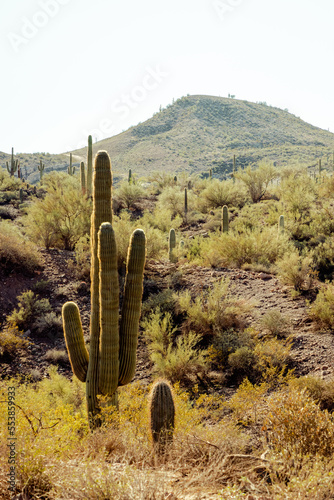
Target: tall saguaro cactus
{"x":82,"y":178}
{"x":13,"y":164}
{"x":111,"y":361}
{"x":171,"y":245}
{"x":70,"y":168}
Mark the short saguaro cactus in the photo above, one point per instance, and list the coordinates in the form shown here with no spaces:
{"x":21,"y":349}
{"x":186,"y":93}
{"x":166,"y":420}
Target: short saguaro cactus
{"x":111,"y":360}
{"x":162,"y":416}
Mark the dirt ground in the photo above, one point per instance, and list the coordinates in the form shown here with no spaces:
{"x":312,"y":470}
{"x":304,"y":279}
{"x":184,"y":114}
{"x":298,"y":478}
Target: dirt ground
{"x":312,"y":350}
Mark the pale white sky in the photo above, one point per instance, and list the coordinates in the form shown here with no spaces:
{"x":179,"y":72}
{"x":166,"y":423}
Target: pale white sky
{"x":74,"y":67}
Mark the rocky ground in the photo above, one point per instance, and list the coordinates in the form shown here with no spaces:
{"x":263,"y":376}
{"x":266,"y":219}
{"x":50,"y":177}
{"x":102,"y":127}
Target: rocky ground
{"x":312,"y":350}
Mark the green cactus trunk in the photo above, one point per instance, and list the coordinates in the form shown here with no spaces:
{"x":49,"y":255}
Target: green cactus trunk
{"x":171,"y":245}
{"x":224,"y":221}
{"x":41,"y":171}
{"x":112,"y":355}
{"x":162,"y":416}
{"x":89,"y":166}
{"x":13,"y":165}
{"x":130,"y":176}
{"x":70,"y":168}
{"x":83,"y":178}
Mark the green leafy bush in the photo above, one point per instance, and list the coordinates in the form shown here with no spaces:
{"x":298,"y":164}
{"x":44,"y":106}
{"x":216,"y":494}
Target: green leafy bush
{"x":322,"y":309}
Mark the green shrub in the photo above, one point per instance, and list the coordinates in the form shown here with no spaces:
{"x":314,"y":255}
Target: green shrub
{"x":275,"y":323}
{"x":30,"y":309}
{"x":62,"y":217}
{"x":322,"y":309}
{"x":128,"y":194}
{"x":296,"y":270}
{"x":219,"y":193}
{"x":16,"y":251}
{"x":234,"y":249}
{"x":174,"y":362}
{"x":11,"y":339}
{"x":212,"y":311}
{"x":257,"y":180}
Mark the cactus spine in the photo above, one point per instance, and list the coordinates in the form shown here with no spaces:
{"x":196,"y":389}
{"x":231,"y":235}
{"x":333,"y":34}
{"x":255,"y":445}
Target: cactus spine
{"x":83,"y":178}
{"x":112,"y":355}
{"x":13,"y":164}
{"x":89,"y":166}
{"x":70,"y":168}
{"x":162,"y":416}
{"x":41,"y":171}
{"x":171,"y":244}
{"x":224,"y":221}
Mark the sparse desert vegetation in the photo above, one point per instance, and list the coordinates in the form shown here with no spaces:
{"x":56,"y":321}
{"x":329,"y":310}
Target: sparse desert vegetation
{"x":232,"y":392}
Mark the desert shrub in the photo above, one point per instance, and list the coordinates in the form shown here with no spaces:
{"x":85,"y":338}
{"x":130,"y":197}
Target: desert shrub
{"x":9,"y":182}
{"x":298,"y":195}
{"x":322,"y":391}
{"x":161,"y":180}
{"x":323,"y":257}
{"x":275,"y":323}
{"x":56,"y":356}
{"x":322,"y":309}
{"x":213,"y":310}
{"x":62,"y":217}
{"x":82,"y":257}
{"x":29,"y":312}
{"x":161,"y":219}
{"x":234,"y":249}
{"x":257,"y":180}
{"x":16,"y":251}
{"x":164,"y":300}
{"x":296,"y":270}
{"x":172,"y":199}
{"x":11,"y":339}
{"x":175,"y":362}
{"x":219,"y":193}
{"x":248,"y":401}
{"x":296,"y":425}
{"x":128,"y":194}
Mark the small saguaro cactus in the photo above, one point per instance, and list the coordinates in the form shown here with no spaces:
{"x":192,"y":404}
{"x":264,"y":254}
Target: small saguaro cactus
{"x":224,"y":221}
{"x":21,"y":195}
{"x":130,"y":176}
{"x":162,"y":416}
{"x":111,"y":361}
{"x":234,"y":168}
{"x":171,"y":244}
{"x":319,"y":166}
{"x":281,"y":224}
{"x":210,"y":174}
{"x":13,"y":165}
{"x":185,"y":202}
{"x":83,"y":178}
{"x":41,"y":170}
{"x":70,"y":168}
{"x":175,"y":179}
{"x":89,"y":166}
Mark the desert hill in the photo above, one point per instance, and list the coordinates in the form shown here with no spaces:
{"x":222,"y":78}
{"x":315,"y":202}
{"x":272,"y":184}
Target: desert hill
{"x":197,"y":133}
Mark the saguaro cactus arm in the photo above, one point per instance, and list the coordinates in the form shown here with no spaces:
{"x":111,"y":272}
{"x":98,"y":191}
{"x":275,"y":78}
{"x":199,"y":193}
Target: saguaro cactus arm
{"x":74,"y":339}
{"x":131,"y":307}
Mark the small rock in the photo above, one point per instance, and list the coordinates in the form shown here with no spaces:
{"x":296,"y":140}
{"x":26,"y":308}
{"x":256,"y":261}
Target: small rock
{"x":265,"y":276}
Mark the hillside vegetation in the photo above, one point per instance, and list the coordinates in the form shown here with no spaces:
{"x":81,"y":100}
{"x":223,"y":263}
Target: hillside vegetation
{"x":236,"y":330}
{"x":198,"y":133}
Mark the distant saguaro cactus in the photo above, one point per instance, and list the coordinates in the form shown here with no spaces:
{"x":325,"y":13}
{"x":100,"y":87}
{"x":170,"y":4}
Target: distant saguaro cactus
{"x":171,"y":245}
{"x":185,"y":202}
{"x":224,"y":221}
{"x":89,"y":166}
{"x":130,"y":176}
{"x":13,"y":165}
{"x":41,"y":171}
{"x":83,"y":178}
{"x":70,"y":168}
{"x":162,"y":416}
{"x":111,"y":361}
